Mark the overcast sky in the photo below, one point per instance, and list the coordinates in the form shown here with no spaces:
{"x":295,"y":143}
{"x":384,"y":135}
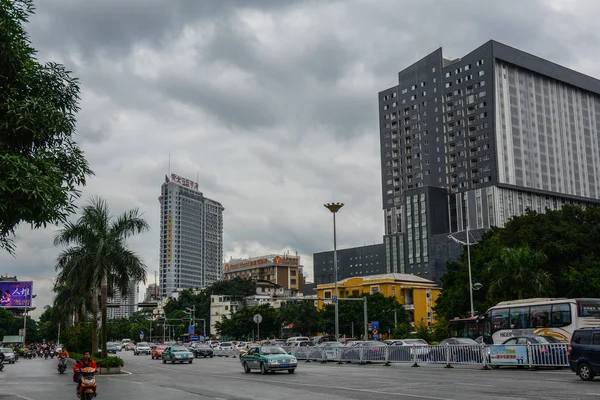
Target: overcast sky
{"x":272,"y":104}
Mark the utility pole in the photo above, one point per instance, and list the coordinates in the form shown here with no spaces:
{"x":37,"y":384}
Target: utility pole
{"x":365,"y":321}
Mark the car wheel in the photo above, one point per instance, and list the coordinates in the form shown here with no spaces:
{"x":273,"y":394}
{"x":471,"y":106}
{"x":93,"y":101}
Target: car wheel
{"x":246,"y":368}
{"x":585,"y":372}
{"x":211,"y":356}
{"x":263,"y":369}
{"x":164,"y":361}
{"x":190,"y":361}
{"x":173,"y":361}
{"x":291,"y":371}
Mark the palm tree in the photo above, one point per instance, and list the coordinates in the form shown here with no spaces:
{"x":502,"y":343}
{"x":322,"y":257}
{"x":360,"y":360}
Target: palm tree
{"x":518,"y":270}
{"x":98,"y":257}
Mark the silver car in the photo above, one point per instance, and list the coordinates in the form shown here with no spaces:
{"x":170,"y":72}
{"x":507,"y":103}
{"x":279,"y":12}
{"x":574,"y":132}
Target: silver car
{"x":142,"y":348}
{"x":9,"y":355}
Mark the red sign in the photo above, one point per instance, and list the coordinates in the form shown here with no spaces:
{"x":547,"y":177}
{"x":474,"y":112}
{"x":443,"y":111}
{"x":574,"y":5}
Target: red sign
{"x":184,"y":181}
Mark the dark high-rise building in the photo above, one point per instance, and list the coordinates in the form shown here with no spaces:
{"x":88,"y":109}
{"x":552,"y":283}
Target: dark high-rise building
{"x":470,"y":142}
{"x":354,"y":261}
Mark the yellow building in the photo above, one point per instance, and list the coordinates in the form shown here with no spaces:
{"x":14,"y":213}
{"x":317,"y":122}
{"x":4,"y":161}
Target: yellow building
{"x":417,"y":295}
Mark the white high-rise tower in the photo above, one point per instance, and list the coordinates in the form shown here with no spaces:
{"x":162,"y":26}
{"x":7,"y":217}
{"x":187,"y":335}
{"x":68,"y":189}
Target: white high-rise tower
{"x":191,"y":237}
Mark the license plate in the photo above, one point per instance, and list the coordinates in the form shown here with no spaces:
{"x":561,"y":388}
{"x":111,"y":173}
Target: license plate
{"x":284,"y":365}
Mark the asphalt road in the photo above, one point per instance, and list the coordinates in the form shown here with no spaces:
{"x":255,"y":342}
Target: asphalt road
{"x":224,"y":379}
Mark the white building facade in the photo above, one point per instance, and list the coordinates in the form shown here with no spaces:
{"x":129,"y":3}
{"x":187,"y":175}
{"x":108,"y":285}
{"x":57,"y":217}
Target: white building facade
{"x":191,"y":237}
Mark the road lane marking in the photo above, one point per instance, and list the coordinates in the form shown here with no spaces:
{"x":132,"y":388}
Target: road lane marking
{"x":19,"y":396}
{"x":407,"y":395}
{"x":473,"y":384}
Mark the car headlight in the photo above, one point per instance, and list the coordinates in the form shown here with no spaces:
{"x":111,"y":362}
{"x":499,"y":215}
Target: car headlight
{"x":178,"y":356}
{"x":293,"y":360}
{"x":273,"y":362}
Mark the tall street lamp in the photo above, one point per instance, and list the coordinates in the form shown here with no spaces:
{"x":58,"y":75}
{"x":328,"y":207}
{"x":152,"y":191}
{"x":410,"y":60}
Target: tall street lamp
{"x":334,"y":208}
{"x":468,"y":244}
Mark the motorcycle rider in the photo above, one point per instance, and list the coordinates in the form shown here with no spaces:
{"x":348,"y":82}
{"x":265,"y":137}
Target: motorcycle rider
{"x":85,"y":362}
{"x":1,"y":360}
{"x":63,"y":353}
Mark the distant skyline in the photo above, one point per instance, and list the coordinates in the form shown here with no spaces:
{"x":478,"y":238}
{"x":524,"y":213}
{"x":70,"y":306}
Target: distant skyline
{"x":271,"y":105}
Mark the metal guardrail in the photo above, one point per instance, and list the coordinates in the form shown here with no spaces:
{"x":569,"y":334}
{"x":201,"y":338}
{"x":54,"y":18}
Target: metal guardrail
{"x":532,"y":355}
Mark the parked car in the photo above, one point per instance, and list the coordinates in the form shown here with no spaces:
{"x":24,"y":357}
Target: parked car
{"x":297,"y":339}
{"x":177,"y":354}
{"x":460,"y":350}
{"x":584,"y":353}
{"x":157,"y":351}
{"x":268,"y":359}
{"x":202,"y":350}
{"x":142,"y":348}
{"x":372,"y":351}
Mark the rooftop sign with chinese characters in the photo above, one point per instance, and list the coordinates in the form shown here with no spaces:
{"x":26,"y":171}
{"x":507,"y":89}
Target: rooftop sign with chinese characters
{"x":272,"y":260}
{"x":15,"y":294}
{"x":183,"y":181}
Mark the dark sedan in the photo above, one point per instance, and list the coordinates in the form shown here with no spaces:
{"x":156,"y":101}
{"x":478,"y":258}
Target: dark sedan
{"x":202,"y":350}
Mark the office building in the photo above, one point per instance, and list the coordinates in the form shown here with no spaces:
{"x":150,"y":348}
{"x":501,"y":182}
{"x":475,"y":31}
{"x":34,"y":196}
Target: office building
{"x":417,"y":295}
{"x":124,"y":306}
{"x":281,"y":269}
{"x":191,"y":237}
{"x":468,"y":143}
{"x":352,"y":262}
{"x":152,"y":292}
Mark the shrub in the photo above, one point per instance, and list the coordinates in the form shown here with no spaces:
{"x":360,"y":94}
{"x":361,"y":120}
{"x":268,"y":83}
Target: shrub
{"x":108,"y":362}
{"x":77,"y":338}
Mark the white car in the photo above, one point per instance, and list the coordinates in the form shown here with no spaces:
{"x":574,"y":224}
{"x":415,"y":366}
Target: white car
{"x":142,"y":348}
{"x":9,"y":355}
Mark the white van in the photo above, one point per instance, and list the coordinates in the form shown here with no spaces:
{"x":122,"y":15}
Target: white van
{"x":297,"y":339}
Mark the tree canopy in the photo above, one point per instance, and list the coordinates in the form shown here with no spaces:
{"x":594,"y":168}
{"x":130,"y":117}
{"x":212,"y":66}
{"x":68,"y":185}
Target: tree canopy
{"x":41,"y":166}
{"x":559,"y":248}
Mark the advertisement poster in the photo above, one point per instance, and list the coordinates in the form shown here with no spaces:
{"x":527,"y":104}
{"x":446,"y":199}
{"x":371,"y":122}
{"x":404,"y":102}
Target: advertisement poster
{"x":15,"y":294}
{"x":508,"y":355}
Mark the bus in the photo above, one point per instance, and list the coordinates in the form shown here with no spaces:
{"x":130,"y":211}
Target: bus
{"x":551,"y":317}
{"x":557,"y":317}
{"x":472,"y":328}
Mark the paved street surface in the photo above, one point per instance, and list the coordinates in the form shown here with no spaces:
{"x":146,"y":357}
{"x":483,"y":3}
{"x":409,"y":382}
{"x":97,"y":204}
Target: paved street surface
{"x":224,"y":379}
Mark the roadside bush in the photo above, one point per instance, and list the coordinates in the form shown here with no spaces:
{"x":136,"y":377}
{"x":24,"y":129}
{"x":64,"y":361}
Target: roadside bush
{"x":108,"y":362}
{"x":77,"y":338}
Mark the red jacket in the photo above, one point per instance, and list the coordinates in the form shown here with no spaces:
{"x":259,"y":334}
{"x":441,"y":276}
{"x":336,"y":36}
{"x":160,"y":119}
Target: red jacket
{"x":82,"y":364}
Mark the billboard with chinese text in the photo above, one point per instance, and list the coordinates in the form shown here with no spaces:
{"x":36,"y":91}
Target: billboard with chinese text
{"x":15,"y":294}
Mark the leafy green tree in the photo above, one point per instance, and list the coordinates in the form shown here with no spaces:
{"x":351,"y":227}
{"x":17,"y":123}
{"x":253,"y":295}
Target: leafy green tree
{"x":568,"y":238}
{"x":302,"y":314}
{"x":402,"y":331}
{"x":241,"y":324}
{"x":79,"y":338}
{"x":520,"y":270}
{"x":233,"y":287}
{"x":6,"y":322}
{"x":98,"y":256}
{"x":41,"y":166}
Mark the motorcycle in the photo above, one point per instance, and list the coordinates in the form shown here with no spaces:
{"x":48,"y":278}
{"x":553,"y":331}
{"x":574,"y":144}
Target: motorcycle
{"x":51,"y":353}
{"x":62,"y":364}
{"x":87,"y":390}
{"x":46,"y":354}
{"x":2,"y":364}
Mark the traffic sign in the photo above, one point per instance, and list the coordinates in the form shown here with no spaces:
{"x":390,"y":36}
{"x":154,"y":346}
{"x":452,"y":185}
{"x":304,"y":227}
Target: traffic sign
{"x":191,"y":329}
{"x":257,"y":318}
{"x":369,"y":326}
{"x":375,"y":331}
{"x":375,"y":324}
{"x":334,"y":299}
{"x":142,"y":332}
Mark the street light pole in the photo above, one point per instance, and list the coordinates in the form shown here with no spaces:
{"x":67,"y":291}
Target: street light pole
{"x":334,"y":208}
{"x":468,"y":243}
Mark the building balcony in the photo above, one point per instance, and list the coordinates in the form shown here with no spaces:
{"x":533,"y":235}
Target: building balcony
{"x":409,"y":307}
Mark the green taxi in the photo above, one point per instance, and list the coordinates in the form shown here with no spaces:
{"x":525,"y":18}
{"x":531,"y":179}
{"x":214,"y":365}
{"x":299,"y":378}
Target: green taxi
{"x":268,"y":359}
{"x":177,"y":354}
